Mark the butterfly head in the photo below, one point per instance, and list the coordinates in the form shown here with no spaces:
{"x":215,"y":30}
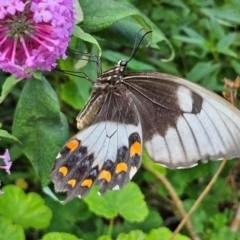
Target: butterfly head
{"x":122,"y":64}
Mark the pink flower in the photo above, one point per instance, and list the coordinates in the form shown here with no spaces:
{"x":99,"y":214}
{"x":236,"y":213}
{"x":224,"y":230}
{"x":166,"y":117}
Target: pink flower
{"x":1,"y":192}
{"x":33,"y":34}
{"x":6,"y":160}
{"x":14,"y":6}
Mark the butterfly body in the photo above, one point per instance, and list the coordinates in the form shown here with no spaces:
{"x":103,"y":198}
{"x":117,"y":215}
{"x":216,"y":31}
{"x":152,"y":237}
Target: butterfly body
{"x":108,"y":83}
{"x":178,"y":122}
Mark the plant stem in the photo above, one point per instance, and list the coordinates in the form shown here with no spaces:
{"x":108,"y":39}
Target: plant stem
{"x":110,"y":228}
{"x":177,"y":201}
{"x":203,"y":194}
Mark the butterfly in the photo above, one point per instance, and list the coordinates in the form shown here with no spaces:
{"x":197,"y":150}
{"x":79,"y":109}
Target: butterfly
{"x":178,"y":123}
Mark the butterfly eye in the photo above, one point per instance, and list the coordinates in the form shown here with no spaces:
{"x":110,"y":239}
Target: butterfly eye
{"x":123,"y":63}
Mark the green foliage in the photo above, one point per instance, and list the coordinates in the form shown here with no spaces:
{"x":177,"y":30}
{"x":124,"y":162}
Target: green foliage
{"x":59,"y":236}
{"x":137,"y":234}
{"x":6,"y":134}
{"x":104,"y":237}
{"x":114,"y":203}
{"x":222,"y":234}
{"x":8,"y":85}
{"x":65,"y":217}
{"x":80,"y":34}
{"x":75,"y":94}
{"x":26,"y":210}
{"x":203,"y":37}
{"x":39,"y":125}
{"x":10,"y":231}
{"x":165,"y":234}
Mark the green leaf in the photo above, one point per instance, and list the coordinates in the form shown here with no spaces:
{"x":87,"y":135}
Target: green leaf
{"x":224,"y":44}
{"x":5,"y":134}
{"x":193,"y":34}
{"x":121,"y":22}
{"x":78,"y":12}
{"x":165,"y":234}
{"x":119,"y":33}
{"x":10,"y":231}
{"x":8,"y":85}
{"x":65,"y":217}
{"x":79,"y":33}
{"x":128,"y":202}
{"x":193,"y":38}
{"x":40,"y":126}
{"x":236,"y":66}
{"x":76,"y":93}
{"x":227,"y":40}
{"x":104,"y":237}
{"x":228,"y":16}
{"x":226,"y":51}
{"x":59,"y":236}
{"x":153,"y":220}
{"x":187,"y":176}
{"x":27,"y":210}
{"x":136,"y":234}
{"x":199,"y":42}
{"x":224,"y":233}
{"x":197,"y":73}
{"x":104,"y":13}
{"x":216,"y":28}
{"x":149,"y":162}
{"x":219,"y":221}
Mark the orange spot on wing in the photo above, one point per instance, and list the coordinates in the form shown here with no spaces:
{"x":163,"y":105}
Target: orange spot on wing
{"x":87,"y":183}
{"x":72,"y":182}
{"x":63,"y":170}
{"x":121,"y":167}
{"x":105,"y":175}
{"x":72,"y":145}
{"x":136,"y":148}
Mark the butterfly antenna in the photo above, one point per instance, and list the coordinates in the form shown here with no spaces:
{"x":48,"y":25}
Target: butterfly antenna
{"x":136,"y":39}
{"x":86,"y":57}
{"x":75,"y":74}
{"x":137,"y":44}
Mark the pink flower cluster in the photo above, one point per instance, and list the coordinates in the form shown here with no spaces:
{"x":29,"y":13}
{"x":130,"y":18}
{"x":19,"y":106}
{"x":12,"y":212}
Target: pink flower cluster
{"x":6,"y":160}
{"x":8,"y":164}
{"x":33,"y":34}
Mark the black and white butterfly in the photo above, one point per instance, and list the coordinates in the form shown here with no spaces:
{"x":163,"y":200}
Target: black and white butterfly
{"x":177,"y":121}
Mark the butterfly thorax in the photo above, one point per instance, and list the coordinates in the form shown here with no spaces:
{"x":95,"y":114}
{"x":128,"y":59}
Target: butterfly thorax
{"x":106,"y":84}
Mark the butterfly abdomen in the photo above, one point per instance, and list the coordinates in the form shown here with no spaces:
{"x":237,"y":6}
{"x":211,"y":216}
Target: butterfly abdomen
{"x":90,"y":110}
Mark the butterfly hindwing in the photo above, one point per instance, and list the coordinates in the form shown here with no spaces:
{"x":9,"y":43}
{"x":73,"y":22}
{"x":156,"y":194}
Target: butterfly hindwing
{"x":106,"y":153}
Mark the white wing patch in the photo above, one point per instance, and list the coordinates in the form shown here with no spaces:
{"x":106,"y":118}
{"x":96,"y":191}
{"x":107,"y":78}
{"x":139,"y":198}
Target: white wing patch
{"x":105,"y":138}
{"x":157,"y":148}
{"x":202,"y":140}
{"x":176,"y":150}
{"x":185,"y":100}
{"x":189,"y":145}
{"x":215,"y":128}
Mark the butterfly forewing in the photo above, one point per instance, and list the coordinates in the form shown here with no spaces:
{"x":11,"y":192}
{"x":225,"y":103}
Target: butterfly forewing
{"x":178,"y":122}
{"x":187,"y":122}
